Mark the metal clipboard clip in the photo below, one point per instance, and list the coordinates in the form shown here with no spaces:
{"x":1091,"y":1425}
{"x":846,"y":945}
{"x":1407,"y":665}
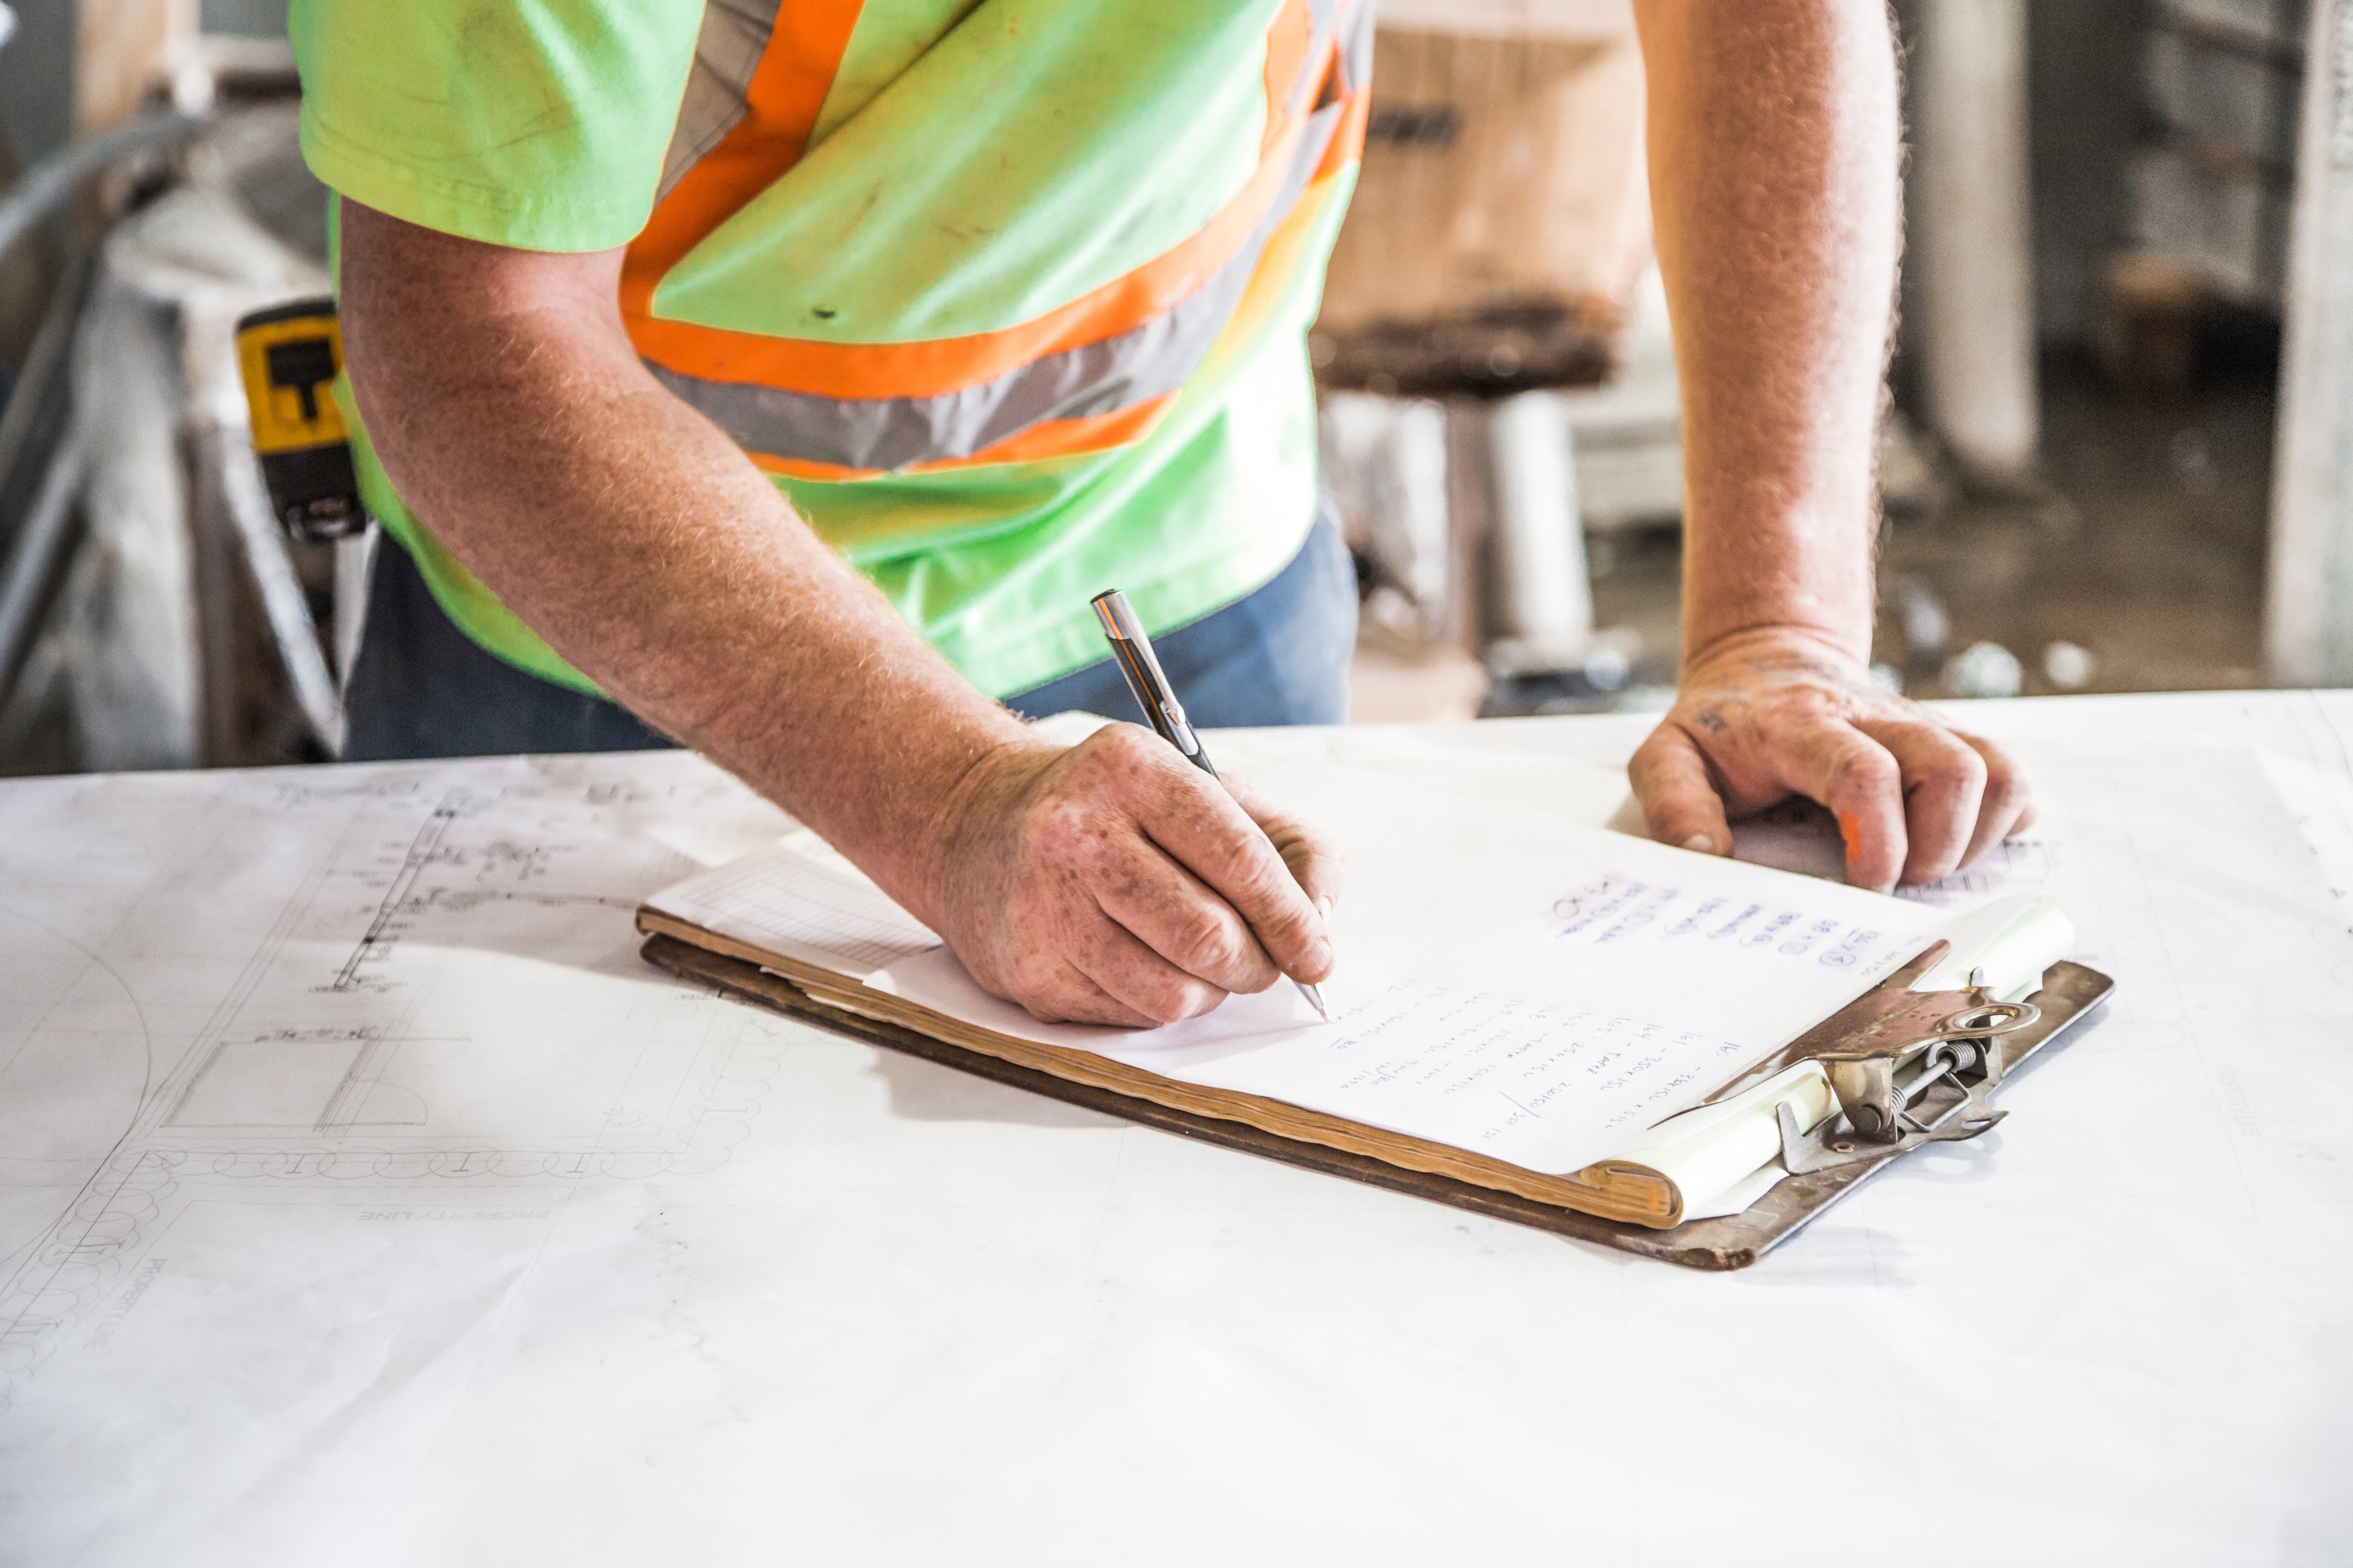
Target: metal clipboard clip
{"x":1934,"y":1085}
{"x":1903,"y":1068}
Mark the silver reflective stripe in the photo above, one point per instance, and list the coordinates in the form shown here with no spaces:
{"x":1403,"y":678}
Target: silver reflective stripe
{"x":881,"y":433}
{"x":1319,"y":27}
{"x":1319,"y":32}
{"x":1356,"y":48}
{"x":726,"y":52}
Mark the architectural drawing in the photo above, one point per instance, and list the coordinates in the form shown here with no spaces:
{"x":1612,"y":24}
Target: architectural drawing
{"x":377,"y":1027}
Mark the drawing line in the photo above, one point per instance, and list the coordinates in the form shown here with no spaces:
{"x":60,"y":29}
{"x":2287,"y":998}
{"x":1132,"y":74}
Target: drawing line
{"x":421,"y":850}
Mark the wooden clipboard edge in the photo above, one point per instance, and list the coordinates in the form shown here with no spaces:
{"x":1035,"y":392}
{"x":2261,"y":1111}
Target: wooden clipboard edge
{"x":1713,"y":1245}
{"x":1610,"y":1189}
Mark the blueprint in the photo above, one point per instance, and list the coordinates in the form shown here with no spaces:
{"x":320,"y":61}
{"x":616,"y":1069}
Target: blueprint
{"x":365,"y":1200}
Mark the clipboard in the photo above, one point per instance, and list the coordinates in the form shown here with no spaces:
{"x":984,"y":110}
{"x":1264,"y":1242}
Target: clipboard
{"x":1928,"y":1061}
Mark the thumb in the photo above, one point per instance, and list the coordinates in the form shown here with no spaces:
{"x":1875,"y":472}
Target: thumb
{"x":1678,"y":798}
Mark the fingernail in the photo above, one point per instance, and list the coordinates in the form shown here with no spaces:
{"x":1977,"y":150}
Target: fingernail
{"x":1323,"y":906}
{"x":1852,"y":831}
{"x":1700,"y":842}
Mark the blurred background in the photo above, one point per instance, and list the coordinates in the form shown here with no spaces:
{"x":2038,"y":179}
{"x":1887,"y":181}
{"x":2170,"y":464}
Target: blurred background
{"x":2117,"y":213}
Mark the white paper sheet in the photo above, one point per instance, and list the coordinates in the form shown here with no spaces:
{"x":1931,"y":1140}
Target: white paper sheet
{"x":1508,"y":982}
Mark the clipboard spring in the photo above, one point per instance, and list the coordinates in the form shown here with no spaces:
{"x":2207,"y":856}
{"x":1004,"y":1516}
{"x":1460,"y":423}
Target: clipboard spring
{"x":1936,"y":1087}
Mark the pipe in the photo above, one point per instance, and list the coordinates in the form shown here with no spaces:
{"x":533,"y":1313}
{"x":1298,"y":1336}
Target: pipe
{"x":287,"y":613}
{"x":1973,"y":239}
{"x":1543,"y":599}
{"x":2308,"y":607}
{"x":30,"y":574}
{"x":36,"y":409}
{"x":50,"y":183}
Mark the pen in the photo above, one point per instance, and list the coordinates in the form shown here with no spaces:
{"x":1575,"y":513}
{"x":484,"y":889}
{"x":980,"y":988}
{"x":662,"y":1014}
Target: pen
{"x":1133,"y":650}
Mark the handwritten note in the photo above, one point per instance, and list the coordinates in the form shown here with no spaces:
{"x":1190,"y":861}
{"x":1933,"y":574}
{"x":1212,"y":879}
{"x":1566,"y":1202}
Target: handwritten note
{"x":1627,"y":912}
{"x":1501,"y":1075}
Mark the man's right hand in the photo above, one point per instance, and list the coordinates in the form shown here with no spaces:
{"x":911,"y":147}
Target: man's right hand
{"x":1113,"y":882}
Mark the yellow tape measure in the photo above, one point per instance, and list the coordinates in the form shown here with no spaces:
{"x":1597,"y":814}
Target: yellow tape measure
{"x":290,"y":356}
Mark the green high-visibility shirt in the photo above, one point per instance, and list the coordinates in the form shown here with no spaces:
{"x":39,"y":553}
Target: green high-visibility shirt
{"x":1009,"y":297}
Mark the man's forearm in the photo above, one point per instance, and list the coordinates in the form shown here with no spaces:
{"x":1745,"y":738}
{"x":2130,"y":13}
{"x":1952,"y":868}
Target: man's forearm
{"x":1773,"y":170}
{"x":634,"y":536}
{"x":1773,"y":174}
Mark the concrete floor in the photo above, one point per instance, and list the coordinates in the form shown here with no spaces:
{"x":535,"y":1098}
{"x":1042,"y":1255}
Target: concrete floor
{"x":2148,"y":553}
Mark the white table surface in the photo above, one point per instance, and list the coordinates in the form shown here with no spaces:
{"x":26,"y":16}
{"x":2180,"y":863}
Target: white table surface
{"x":364,"y":1200}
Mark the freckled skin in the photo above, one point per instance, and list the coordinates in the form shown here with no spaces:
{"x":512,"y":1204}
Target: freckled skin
{"x":1915,"y":797}
{"x":1082,"y":917}
{"x":1773,"y":170}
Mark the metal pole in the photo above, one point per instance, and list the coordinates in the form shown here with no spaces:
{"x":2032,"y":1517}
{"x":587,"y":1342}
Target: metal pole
{"x":49,"y":184}
{"x":1543,"y":599}
{"x":1971,"y":245}
{"x":29,"y":578}
{"x":2308,"y":617}
{"x":225,"y":475}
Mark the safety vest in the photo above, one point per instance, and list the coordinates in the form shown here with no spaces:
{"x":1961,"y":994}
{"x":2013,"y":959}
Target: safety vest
{"x":1087,"y":375}
{"x":973,"y":282}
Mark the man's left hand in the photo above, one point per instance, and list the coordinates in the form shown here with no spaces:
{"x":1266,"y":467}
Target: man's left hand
{"x":1768,"y":713}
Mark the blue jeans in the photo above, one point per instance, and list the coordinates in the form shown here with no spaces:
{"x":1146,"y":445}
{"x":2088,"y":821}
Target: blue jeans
{"x":1277,"y":656}
{"x":423,"y":688}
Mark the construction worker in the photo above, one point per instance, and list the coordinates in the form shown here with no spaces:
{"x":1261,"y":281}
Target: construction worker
{"x":784,"y":378}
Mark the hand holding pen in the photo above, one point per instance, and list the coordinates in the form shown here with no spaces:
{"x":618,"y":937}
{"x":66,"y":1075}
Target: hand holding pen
{"x":1114,"y":881}
{"x":1137,"y":661}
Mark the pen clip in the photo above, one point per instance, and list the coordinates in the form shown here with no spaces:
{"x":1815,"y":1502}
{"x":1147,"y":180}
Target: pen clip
{"x":1180,"y":730}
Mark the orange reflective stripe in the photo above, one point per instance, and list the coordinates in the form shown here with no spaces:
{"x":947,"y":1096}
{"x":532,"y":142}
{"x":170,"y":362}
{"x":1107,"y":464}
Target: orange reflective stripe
{"x":1046,"y":438}
{"x":785,"y":99}
{"x":1276,"y":265}
{"x":781,"y":104}
{"x":1348,"y":143}
{"x":1288,"y":42}
{"x":939,"y":365}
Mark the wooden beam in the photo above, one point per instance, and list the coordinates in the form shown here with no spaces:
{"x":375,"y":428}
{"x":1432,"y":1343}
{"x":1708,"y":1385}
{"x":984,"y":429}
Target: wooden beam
{"x":123,"y":50}
{"x":2308,"y":619}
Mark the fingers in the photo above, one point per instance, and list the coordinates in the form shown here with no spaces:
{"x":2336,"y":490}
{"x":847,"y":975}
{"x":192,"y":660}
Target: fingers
{"x":1141,"y":980}
{"x":1315,"y":861}
{"x":1204,"y":829}
{"x":1862,"y":784}
{"x":1176,"y":917}
{"x":1054,"y":992}
{"x":1137,"y":891}
{"x":1097,"y":973}
{"x":1779,"y":710}
{"x":2008,"y":806}
{"x":1679,"y":799}
{"x":1944,"y":786}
